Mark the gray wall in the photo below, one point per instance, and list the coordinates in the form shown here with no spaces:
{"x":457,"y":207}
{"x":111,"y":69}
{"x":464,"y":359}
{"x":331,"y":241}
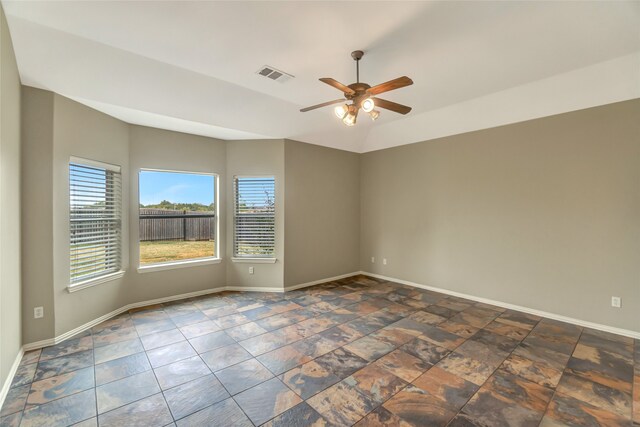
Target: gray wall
{"x":80,"y":131}
{"x":10,"y":339}
{"x":56,"y":128}
{"x":37,"y":213}
{"x":322,"y":211}
{"x":543,"y":214}
{"x":159,"y":149}
{"x":256,"y":157}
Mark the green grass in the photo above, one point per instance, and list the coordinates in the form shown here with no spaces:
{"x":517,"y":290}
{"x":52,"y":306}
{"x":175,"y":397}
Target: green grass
{"x":174,"y":250}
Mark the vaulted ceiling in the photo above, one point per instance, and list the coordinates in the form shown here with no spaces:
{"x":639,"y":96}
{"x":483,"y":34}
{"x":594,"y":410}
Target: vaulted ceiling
{"x":191,"y":66}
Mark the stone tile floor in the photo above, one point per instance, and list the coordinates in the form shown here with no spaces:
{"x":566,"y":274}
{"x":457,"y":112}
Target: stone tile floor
{"x":356,"y":351}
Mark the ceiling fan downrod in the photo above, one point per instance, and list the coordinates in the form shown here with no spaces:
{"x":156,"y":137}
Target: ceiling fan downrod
{"x":357,"y":56}
{"x":362,"y":96}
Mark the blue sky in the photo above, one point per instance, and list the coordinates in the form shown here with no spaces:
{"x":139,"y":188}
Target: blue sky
{"x":175,"y":187}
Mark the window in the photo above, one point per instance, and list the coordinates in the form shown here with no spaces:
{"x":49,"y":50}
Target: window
{"x":178,"y":220}
{"x":254,"y":217}
{"x":95,"y":218}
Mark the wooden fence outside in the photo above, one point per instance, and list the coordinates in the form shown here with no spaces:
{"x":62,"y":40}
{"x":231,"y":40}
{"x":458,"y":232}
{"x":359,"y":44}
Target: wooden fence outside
{"x":180,"y":225}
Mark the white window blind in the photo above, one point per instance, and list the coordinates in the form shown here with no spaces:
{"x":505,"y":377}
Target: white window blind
{"x":254,"y":217}
{"x":95,"y":217}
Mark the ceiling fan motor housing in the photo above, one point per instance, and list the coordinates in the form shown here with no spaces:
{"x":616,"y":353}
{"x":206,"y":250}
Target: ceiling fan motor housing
{"x":358,"y":93}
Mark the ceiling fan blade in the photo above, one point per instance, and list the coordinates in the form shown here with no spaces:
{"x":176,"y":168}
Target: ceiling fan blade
{"x":324,"y":104}
{"x":337,"y":85}
{"x":390,"y":85}
{"x":393,"y":106}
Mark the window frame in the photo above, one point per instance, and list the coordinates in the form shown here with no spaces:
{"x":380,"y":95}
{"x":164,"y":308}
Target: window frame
{"x":118,"y":271}
{"x":255,"y":259}
{"x":191,"y":262}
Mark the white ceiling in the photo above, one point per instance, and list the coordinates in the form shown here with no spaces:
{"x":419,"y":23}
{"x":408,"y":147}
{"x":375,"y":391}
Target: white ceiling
{"x":191,"y":66}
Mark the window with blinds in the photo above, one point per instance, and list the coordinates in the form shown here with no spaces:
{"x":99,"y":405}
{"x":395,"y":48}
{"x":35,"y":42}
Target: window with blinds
{"x":95,"y":216}
{"x":254,"y":217}
{"x":182,"y":228}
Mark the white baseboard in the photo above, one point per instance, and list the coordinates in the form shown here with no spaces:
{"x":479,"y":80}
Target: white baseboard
{"x":559,"y":317}
{"x":317,"y":282}
{"x":94,"y":322}
{"x":254,"y":288}
{"x":175,"y":298}
{"x":7,"y":382}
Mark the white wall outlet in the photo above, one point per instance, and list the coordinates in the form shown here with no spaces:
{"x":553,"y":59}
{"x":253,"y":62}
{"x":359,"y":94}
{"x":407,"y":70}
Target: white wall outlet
{"x":384,"y":261}
{"x":38,"y":312}
{"x":373,"y":260}
{"x":616,"y":302}
{"x":250,"y":270}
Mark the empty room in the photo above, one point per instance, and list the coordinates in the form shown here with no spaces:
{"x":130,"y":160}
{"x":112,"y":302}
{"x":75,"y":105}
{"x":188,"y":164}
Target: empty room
{"x":319,"y":213}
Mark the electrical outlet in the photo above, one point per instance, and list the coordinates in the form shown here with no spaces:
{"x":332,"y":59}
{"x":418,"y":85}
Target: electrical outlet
{"x":250,"y":270}
{"x":373,"y":260}
{"x":384,"y":261}
{"x":616,"y":302}
{"x":38,"y":312}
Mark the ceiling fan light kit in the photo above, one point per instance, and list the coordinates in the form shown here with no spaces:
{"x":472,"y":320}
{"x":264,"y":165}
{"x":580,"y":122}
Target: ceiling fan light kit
{"x":362,"y":96}
{"x":341,"y":111}
{"x":350,"y":119}
{"x":367,"y":105}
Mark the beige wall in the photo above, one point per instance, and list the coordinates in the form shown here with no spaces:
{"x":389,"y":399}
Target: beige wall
{"x":322,"y":211}
{"x":256,"y":157}
{"x":56,"y":128}
{"x":166,"y":150}
{"x":10,"y":338}
{"x":80,"y":131}
{"x":543,"y":214}
{"x":37,"y":213}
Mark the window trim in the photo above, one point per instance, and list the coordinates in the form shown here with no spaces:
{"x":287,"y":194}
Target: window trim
{"x":192,"y":262}
{"x":195,"y":262}
{"x":112,"y":275}
{"x":95,"y":281}
{"x":252,"y":258}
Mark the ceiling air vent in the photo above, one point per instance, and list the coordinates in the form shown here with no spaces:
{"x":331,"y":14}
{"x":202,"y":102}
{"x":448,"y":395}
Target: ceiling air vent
{"x":273,"y":74}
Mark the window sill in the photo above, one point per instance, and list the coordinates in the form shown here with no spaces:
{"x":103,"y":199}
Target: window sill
{"x":95,"y":281}
{"x":179,"y":264}
{"x":255,"y":260}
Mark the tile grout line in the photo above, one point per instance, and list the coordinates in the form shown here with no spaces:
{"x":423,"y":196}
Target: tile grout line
{"x":144,"y":350}
{"x":433,"y":365}
{"x":276,"y":376}
{"x":366,"y":298}
{"x":37,"y":363}
{"x":95,"y":379}
{"x":555,"y":389}
{"x":170,"y":319}
{"x":293,"y":342}
{"x":317,"y":315}
{"x":367,"y":335}
{"x":231,"y":396}
{"x":199,"y":357}
{"x":498,"y":368}
{"x":198,"y":354}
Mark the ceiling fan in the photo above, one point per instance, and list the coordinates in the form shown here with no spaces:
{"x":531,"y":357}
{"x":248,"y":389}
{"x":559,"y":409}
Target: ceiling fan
{"x":363,"y":96}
